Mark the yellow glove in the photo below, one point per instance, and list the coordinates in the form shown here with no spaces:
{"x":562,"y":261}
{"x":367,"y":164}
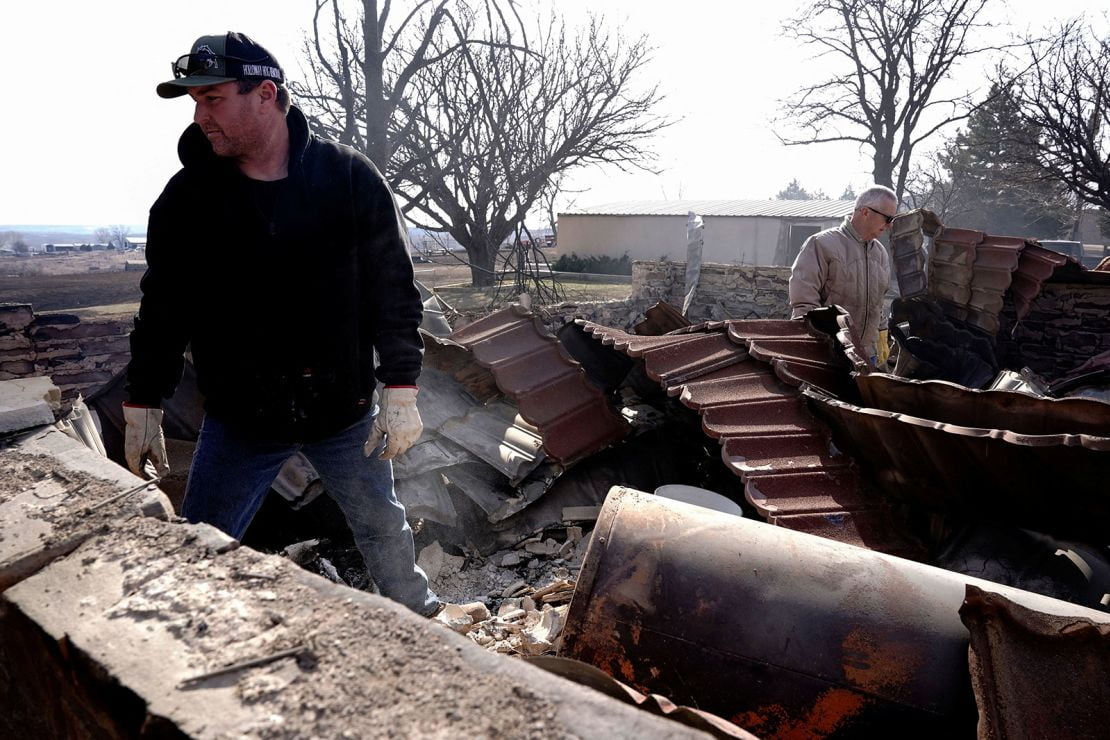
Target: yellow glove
{"x":398,"y":422}
{"x":143,"y":437}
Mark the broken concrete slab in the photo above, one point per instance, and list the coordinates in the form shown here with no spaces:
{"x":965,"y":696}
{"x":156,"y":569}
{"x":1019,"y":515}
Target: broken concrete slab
{"x":242,"y":644}
{"x":56,"y":493}
{"x":27,"y":402}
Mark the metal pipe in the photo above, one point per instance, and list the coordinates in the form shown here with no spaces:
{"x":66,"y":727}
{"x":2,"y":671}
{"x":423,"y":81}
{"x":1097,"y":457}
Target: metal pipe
{"x":782,"y":633}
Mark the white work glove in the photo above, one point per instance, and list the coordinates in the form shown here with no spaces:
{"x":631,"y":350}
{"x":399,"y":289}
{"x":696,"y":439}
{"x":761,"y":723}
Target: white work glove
{"x":143,"y":437}
{"x":398,"y":422}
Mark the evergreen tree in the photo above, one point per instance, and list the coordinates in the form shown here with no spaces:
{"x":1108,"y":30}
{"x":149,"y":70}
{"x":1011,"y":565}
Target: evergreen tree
{"x":794,"y":191}
{"x":995,"y":186}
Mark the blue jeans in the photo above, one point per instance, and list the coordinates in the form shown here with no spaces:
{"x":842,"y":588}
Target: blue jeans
{"x":231,"y":474}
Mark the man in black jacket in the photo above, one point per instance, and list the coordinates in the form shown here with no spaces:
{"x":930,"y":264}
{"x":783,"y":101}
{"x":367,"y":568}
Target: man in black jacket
{"x":281,"y":261}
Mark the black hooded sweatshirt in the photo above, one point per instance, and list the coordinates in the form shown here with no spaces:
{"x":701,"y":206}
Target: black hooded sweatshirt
{"x":283,"y":290}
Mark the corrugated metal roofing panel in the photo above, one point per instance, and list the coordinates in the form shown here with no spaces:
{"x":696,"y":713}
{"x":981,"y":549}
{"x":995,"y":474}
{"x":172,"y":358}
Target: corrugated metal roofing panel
{"x":497,"y":435}
{"x":907,"y":255}
{"x":1036,"y":265}
{"x":549,"y":388}
{"x":811,"y":492}
{"x":991,"y":409}
{"x":872,"y":529}
{"x":984,"y":471}
{"x":823,"y":209}
{"x":769,"y":439}
{"x":661,"y":318}
{"x":755,"y":454}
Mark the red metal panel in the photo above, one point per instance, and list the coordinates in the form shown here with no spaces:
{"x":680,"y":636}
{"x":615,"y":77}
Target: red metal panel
{"x":550,"y":389}
{"x":873,"y":529}
{"x":690,"y":357}
{"x":1000,"y":474}
{"x":824,"y":490}
{"x":756,"y":384}
{"x":812,"y":352}
{"x":783,"y":415}
{"x":742,"y":331}
{"x":1003,"y":410}
{"x":1035,"y":267}
{"x":660,"y":319}
{"x":768,"y":438}
{"x":762,"y":454}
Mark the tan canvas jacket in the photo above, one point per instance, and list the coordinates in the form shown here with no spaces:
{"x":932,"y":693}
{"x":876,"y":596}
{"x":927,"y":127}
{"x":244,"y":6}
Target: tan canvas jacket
{"x":835,"y":267}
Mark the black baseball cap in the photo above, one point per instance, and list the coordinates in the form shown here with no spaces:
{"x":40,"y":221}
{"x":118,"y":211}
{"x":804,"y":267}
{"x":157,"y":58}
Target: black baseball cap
{"x":217,"y":59}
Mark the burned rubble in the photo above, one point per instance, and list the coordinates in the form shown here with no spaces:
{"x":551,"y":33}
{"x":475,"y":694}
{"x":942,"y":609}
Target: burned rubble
{"x":971,"y":464}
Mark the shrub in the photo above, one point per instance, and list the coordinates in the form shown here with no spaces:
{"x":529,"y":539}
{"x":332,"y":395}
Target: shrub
{"x":598,"y":264}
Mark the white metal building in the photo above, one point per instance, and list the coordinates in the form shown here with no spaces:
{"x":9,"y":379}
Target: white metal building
{"x":750,"y":232}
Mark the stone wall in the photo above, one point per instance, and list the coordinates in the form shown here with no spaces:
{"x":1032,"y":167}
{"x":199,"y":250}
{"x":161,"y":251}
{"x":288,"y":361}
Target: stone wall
{"x":79,"y":356}
{"x":724,"y":292}
{"x":1066,"y":326}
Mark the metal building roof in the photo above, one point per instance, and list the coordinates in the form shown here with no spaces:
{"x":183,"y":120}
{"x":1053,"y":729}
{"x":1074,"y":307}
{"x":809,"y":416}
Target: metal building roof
{"x":824,"y":209}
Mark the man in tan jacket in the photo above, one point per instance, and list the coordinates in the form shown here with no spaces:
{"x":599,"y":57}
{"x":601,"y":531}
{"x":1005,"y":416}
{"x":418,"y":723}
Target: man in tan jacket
{"x":848,"y":267}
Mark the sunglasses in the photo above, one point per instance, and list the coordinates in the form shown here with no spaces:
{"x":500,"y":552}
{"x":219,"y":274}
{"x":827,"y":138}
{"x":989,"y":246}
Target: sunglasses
{"x":886,"y":218}
{"x":206,"y":62}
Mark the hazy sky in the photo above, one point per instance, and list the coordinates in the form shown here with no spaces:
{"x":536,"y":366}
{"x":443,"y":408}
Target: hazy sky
{"x":85,"y":140}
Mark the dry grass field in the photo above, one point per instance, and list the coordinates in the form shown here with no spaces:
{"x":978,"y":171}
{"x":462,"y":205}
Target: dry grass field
{"x":96,"y":284}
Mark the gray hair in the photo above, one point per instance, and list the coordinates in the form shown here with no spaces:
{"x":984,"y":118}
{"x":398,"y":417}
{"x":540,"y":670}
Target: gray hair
{"x":875,"y":195}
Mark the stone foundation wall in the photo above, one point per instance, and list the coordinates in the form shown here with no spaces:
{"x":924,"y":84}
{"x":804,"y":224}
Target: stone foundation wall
{"x":1066,"y":326}
{"x":79,"y":356}
{"x":724,"y":292}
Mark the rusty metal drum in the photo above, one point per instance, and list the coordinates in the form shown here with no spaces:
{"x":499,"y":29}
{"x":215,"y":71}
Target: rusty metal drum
{"x":783,"y":633}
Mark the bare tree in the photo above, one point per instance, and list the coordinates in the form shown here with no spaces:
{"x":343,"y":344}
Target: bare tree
{"x":115,"y":236}
{"x":1063,"y":95}
{"x":889,"y":63}
{"x":361,"y":58}
{"x":930,"y":185}
{"x":479,"y":119}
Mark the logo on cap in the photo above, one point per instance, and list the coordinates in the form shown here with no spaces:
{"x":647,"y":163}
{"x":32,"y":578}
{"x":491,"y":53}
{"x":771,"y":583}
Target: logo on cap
{"x":205,"y":54}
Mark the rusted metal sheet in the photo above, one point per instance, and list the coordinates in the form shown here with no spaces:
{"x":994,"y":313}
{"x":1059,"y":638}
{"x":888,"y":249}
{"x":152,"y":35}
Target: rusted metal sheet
{"x":993,"y":409}
{"x":1036,"y":675}
{"x":1036,"y":266}
{"x":660,"y":319}
{"x":599,"y":680}
{"x":548,"y":387}
{"x":782,"y":633}
{"x":933,"y":346}
{"x":995,"y":473}
{"x":873,"y":529}
{"x":769,"y":439}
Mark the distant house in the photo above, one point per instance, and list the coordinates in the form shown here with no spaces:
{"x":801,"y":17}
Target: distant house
{"x":134,"y":242}
{"x":62,"y":248}
{"x":753,"y":232}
